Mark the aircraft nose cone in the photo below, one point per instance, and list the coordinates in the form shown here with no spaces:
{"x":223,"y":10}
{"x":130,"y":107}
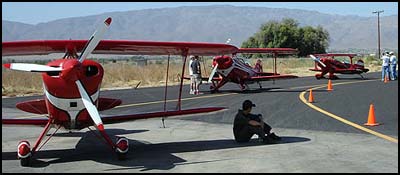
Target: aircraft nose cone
{"x":71,"y":70}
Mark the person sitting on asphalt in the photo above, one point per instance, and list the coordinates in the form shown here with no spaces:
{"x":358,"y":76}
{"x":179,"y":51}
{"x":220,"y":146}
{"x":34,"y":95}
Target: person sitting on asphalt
{"x":247,"y":124}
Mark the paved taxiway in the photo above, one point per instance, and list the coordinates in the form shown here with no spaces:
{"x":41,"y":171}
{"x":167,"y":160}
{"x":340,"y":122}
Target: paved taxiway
{"x":312,"y":141}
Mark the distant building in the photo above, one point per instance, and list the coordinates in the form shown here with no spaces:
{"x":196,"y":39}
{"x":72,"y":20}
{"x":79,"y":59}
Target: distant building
{"x":141,"y":62}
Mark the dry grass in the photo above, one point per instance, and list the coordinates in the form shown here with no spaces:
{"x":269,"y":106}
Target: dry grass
{"x":128,"y":75}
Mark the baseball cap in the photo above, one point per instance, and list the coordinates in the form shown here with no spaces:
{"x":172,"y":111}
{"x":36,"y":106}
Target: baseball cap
{"x":247,"y":104}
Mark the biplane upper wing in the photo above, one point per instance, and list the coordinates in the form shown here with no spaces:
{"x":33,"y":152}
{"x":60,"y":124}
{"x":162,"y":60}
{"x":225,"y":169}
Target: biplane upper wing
{"x":335,"y":54}
{"x":123,"y":47}
{"x":279,"y":51}
{"x":264,"y":76}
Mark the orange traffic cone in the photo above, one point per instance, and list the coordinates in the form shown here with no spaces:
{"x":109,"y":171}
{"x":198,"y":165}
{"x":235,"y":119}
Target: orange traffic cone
{"x":329,"y":85}
{"x":371,"y":117}
{"x":310,"y":97}
{"x":386,"y":79}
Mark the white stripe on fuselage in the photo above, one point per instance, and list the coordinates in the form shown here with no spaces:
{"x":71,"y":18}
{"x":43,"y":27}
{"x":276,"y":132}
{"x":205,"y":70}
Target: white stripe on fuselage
{"x":239,"y":65}
{"x":65,"y":104}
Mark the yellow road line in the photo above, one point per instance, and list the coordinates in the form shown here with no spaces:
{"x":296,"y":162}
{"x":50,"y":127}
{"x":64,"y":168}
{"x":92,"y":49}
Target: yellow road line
{"x":303,"y":99}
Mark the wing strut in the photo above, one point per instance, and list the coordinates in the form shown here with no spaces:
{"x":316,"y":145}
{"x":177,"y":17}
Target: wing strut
{"x":184,"y":56}
{"x":165,"y":93}
{"x":275,"y":72}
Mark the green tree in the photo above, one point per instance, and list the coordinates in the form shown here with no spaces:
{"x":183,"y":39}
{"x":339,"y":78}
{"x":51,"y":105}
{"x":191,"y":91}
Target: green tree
{"x":287,"y":33}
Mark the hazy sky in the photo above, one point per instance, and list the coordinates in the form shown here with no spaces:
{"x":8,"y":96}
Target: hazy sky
{"x":36,"y":12}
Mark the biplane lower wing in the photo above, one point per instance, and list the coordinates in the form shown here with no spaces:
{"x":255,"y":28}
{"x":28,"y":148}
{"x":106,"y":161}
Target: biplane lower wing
{"x":39,"y":106}
{"x":272,"y":77}
{"x":205,"y":78}
{"x":317,"y":70}
{"x":37,"y":122}
{"x":123,"y":118}
{"x":119,"y":118}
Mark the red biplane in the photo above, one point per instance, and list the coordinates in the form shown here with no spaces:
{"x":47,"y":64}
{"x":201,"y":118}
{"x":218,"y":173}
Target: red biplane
{"x":326,"y":63}
{"x":234,"y":69}
{"x":72,"y":84}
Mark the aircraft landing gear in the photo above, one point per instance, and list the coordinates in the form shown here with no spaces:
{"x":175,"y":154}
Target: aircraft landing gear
{"x":318,"y":76}
{"x":121,"y":148}
{"x":333,"y":77}
{"x":259,"y":84}
{"x":24,"y":153}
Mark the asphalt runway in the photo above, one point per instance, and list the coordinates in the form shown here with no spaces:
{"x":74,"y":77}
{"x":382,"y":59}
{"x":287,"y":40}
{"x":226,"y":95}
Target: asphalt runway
{"x":325,"y":136}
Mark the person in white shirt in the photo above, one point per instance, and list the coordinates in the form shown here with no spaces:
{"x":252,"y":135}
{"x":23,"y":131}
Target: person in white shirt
{"x":393,"y":62}
{"x":385,"y":65}
{"x":191,"y":76}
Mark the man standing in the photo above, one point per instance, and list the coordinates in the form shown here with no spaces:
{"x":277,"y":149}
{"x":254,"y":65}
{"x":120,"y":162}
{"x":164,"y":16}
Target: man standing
{"x":246,"y":125}
{"x":385,"y":65}
{"x":195,"y":65}
{"x":393,"y":62}
{"x":191,"y":75}
{"x":258,"y":66}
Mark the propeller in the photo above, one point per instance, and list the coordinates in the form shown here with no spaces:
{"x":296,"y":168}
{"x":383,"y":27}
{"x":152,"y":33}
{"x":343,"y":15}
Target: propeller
{"x":212,"y":73}
{"x":94,"y":40}
{"x":216,"y":66}
{"x":31,"y":67}
{"x":90,"y":107}
{"x":317,"y":60}
{"x":70,"y":68}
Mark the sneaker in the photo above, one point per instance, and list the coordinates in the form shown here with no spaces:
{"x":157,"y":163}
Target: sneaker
{"x":191,"y":92}
{"x":274,"y":136}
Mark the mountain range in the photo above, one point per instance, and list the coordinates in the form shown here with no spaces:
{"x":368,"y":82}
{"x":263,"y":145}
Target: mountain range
{"x":214,"y":23}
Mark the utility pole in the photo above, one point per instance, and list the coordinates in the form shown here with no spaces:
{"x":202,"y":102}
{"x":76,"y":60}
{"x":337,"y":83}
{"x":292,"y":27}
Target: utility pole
{"x":379,"y":34}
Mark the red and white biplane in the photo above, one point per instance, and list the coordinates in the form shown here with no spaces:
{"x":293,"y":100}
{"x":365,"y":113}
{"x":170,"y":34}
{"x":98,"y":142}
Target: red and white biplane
{"x":327,"y":63}
{"x":234,"y":69}
{"x":72,"y":84}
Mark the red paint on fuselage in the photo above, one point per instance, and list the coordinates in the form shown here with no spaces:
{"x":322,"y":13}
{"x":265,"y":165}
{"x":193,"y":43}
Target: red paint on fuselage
{"x":66,"y":87}
{"x":239,"y":71}
{"x":62,"y":86}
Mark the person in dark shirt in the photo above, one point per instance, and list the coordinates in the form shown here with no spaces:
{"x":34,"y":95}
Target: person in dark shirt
{"x":195,"y":66}
{"x":258,"y":67}
{"x":247,"y":124}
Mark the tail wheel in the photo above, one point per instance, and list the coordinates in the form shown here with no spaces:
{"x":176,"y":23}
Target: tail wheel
{"x":122,"y":147}
{"x":24,"y":153}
